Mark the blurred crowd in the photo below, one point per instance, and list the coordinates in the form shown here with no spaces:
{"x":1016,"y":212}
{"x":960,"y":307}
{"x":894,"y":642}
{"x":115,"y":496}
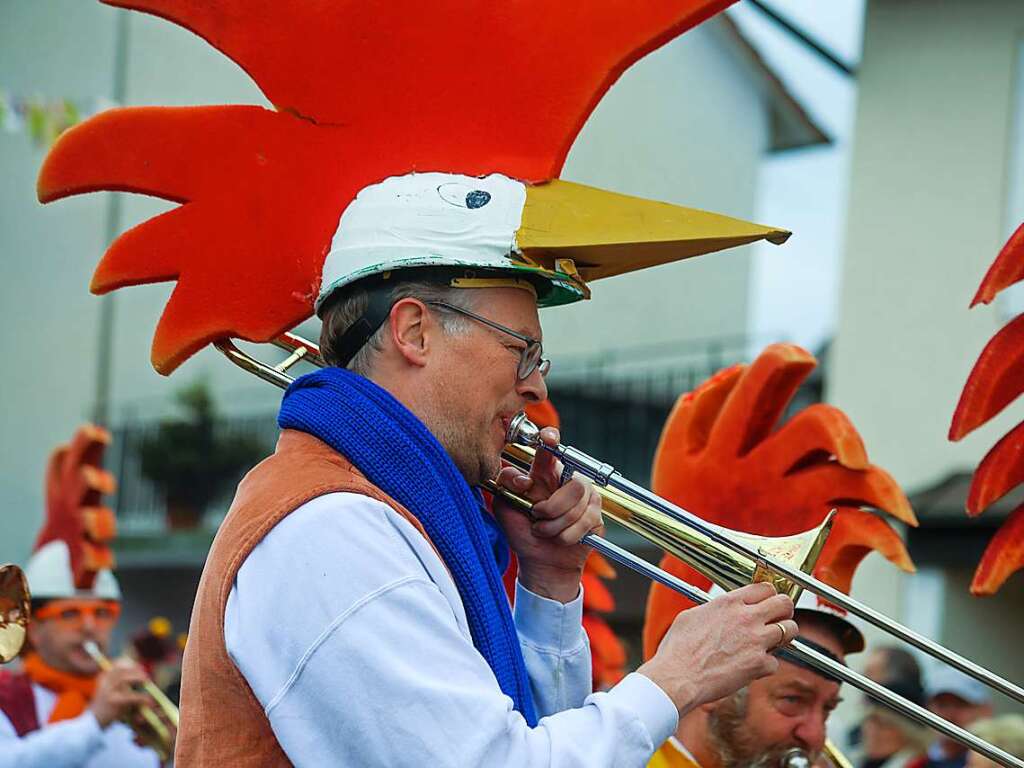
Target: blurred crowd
{"x":885,"y":739}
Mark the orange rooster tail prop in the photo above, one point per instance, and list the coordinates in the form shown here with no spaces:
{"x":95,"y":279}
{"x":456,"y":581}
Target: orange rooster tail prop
{"x":996,"y":380}
{"x":453,"y":87}
{"x":724,"y":456}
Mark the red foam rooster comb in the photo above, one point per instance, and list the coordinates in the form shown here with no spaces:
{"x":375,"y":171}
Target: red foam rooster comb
{"x":996,"y":380}
{"x":724,"y":456}
{"x":76,"y":519}
{"x":367,"y":92}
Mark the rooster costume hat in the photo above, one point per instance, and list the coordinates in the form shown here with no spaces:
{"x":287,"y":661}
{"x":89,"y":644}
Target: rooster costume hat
{"x":378,"y":159}
{"x":72,"y":557}
{"x":722,"y":456}
{"x":72,"y":562}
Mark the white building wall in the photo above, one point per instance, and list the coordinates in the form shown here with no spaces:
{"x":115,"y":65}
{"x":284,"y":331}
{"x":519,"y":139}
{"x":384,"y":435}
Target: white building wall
{"x":702,"y":130}
{"x":65,"y":49}
{"x":927,"y":215}
{"x":698,"y":142}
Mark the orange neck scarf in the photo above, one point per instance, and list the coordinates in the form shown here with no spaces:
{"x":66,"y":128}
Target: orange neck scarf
{"x":74,"y":692}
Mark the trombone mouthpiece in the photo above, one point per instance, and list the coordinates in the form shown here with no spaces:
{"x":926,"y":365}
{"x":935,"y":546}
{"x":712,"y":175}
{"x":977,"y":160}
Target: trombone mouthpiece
{"x":522,"y":431}
{"x":795,"y":758}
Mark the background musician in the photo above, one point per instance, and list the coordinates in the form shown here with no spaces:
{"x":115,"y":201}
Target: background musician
{"x":61,"y":711}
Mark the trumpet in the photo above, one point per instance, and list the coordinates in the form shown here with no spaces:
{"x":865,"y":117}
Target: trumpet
{"x":151,"y":730}
{"x":14,"y":611}
{"x":728,"y":558}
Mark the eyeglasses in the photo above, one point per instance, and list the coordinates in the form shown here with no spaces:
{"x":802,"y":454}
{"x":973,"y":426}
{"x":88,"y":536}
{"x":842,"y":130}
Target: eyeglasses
{"x":72,"y":613}
{"x":530,"y":357}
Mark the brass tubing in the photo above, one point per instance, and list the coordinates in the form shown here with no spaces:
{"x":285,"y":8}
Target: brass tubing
{"x":158,"y":736}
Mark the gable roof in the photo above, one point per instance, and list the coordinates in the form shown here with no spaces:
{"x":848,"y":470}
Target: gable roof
{"x":792,"y":127}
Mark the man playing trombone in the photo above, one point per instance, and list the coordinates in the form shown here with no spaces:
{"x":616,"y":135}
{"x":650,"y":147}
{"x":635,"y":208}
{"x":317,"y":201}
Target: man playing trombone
{"x":372,"y":631}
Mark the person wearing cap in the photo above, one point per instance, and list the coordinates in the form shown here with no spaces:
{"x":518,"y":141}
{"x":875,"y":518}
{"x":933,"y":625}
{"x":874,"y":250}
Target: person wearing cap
{"x":894,"y":667}
{"x":961,"y":700}
{"x":61,"y":711}
{"x":786,"y":710}
{"x":890,"y":740}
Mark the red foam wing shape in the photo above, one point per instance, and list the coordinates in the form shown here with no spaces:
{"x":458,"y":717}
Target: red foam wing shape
{"x":663,"y":604}
{"x":1007,"y":269}
{"x":367,"y":91}
{"x":1003,"y":556}
{"x":724,"y":456}
{"x":855,"y":534}
{"x":240,"y":271}
{"x":75,"y":483}
{"x":999,"y":472}
{"x":506,"y":79}
{"x":596,"y":595}
{"x":996,"y":379}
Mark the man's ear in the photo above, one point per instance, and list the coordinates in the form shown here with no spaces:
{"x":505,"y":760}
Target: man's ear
{"x":411,"y":330}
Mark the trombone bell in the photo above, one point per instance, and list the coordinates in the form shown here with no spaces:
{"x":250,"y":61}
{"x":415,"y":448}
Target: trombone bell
{"x":725,"y":567}
{"x":14,"y":611}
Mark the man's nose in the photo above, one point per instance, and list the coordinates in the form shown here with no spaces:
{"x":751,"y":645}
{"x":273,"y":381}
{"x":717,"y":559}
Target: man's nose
{"x":811,"y":732}
{"x":533,"y":388}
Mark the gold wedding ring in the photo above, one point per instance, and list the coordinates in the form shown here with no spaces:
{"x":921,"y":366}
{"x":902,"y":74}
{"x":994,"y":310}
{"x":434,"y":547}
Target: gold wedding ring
{"x":782,"y":629}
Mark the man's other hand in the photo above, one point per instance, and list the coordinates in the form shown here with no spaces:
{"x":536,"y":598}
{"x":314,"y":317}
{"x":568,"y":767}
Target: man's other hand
{"x":115,"y":692}
{"x":713,"y":650}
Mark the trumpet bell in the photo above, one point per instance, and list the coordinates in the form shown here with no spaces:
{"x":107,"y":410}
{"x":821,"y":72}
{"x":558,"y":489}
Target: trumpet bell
{"x":14,"y":611}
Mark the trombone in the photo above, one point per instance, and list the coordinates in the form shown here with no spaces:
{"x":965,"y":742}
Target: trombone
{"x":728,"y":558}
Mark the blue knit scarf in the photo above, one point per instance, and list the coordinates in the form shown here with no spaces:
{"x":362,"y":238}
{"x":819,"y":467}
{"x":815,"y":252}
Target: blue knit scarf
{"x":398,"y":454}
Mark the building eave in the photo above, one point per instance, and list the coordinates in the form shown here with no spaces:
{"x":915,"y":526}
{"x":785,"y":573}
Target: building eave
{"x":792,"y":126}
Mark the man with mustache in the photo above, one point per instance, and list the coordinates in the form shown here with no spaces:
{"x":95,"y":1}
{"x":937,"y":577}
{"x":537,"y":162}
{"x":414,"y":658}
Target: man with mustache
{"x":759,"y":723}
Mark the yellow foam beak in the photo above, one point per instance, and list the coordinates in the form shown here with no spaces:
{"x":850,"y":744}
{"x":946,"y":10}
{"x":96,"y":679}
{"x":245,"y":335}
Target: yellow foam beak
{"x":606,"y":234}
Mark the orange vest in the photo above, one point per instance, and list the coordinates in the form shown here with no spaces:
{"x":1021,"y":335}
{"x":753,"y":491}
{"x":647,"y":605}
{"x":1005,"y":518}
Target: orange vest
{"x":222,"y":722}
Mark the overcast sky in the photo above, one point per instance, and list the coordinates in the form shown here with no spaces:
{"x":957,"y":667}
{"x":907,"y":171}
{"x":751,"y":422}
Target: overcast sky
{"x":794,"y":288}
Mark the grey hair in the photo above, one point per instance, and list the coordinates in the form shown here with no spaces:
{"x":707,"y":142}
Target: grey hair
{"x":1005,"y":732}
{"x":341,"y":312}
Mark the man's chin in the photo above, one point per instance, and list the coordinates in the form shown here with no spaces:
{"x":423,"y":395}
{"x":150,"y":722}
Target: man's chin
{"x":80,"y":663}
